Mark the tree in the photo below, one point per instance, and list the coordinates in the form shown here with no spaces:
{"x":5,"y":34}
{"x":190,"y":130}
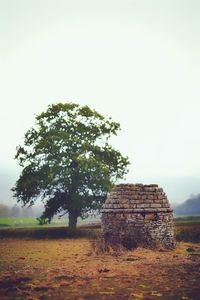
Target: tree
{"x":68,"y":162}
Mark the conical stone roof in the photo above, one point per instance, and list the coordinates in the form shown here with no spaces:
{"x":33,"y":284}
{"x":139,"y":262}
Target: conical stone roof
{"x":137,"y":198}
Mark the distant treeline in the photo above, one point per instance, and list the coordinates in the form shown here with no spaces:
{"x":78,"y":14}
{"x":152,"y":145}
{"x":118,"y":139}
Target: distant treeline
{"x":190,"y":207}
{"x":17,"y":211}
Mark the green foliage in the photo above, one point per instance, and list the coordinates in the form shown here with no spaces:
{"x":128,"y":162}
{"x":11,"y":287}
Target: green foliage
{"x":68,"y":162}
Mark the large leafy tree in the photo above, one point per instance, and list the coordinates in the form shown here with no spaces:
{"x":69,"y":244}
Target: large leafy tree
{"x":67,"y":161}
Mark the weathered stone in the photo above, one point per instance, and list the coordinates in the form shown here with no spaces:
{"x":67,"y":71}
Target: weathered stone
{"x":138,"y":215}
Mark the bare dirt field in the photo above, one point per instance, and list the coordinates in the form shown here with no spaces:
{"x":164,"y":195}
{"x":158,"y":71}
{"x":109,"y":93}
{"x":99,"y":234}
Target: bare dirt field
{"x":69,"y":269}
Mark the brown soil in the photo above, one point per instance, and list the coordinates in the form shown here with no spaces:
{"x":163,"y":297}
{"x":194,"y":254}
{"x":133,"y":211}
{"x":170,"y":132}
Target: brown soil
{"x":68,"y":269}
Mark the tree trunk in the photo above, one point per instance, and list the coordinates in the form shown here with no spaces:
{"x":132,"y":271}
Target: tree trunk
{"x":72,"y":220}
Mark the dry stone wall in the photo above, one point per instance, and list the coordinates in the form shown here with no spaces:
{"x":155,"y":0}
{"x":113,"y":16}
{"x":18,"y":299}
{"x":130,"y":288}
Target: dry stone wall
{"x":138,"y":215}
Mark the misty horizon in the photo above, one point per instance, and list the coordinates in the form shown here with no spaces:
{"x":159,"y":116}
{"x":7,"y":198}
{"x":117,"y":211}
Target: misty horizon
{"x":178,"y":189}
{"x":137,"y":62}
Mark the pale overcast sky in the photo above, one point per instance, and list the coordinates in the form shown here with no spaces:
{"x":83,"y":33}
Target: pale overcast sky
{"x":137,"y":61}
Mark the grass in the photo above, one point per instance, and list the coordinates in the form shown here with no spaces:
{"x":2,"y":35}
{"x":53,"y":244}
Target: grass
{"x":49,"y":232}
{"x":27,"y":222}
{"x":183,"y":233}
{"x":33,"y":222}
{"x":186,"y":216}
{"x":54,"y":263}
{"x":69,"y":269}
{"x":188,"y":234}
{"x":187,"y":228}
{"x":187,"y":220}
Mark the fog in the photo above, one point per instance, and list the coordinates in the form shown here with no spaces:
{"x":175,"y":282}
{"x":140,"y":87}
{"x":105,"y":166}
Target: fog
{"x":136,"y":61}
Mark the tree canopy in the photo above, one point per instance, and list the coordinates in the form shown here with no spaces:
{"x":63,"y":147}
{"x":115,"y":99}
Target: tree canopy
{"x":67,"y":161}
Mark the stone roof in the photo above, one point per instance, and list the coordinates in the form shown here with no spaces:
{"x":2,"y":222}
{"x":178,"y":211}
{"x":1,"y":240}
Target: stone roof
{"x":137,"y":198}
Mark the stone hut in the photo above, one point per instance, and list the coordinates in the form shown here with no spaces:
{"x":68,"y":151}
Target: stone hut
{"x":138,"y":215}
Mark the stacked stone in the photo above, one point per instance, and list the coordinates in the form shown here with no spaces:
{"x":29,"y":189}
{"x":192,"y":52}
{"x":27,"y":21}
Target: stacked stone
{"x":137,"y":214}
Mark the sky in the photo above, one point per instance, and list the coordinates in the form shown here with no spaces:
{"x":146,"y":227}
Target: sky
{"x":137,"y":61}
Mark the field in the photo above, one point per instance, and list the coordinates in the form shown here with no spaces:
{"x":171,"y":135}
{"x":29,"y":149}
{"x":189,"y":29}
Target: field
{"x":55,"y":263}
{"x":32,"y":222}
{"x":69,"y":268}
{"x":187,"y":219}
{"x":22,"y":222}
